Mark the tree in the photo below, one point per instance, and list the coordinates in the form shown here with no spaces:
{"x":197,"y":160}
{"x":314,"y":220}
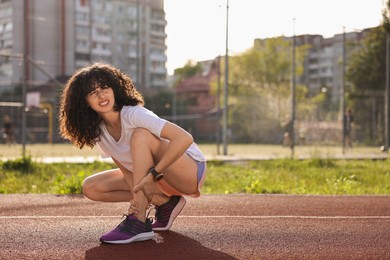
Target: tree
{"x":259,"y":90}
{"x":190,"y":69}
{"x":366,"y":75}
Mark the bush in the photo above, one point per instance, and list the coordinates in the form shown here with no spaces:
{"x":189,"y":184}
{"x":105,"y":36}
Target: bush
{"x":70,"y":184}
{"x":24,"y":165}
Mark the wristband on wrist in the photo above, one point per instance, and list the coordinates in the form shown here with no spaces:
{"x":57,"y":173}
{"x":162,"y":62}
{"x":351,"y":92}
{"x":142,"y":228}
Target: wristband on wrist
{"x":156,"y":175}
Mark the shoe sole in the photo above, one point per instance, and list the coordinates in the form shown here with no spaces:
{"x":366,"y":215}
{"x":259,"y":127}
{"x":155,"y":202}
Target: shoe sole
{"x":140,"y":237}
{"x":176,"y":211}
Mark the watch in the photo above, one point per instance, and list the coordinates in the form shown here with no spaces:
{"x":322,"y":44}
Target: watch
{"x":156,"y":175}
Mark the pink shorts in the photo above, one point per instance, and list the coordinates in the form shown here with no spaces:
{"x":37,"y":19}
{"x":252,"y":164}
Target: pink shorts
{"x":168,"y":190}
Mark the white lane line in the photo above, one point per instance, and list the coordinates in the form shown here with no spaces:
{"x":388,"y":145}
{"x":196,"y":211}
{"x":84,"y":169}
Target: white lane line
{"x":203,"y":216}
{"x":293,"y":217}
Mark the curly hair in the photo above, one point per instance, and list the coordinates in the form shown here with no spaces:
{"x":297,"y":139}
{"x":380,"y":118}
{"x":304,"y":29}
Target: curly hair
{"x":78,"y":122}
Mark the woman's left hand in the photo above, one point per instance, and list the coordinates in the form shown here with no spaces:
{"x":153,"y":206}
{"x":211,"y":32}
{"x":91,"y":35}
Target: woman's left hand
{"x":147,"y":185}
{"x":133,"y":208}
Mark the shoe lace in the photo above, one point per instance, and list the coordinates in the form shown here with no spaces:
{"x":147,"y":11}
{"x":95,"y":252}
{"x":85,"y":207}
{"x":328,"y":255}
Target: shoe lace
{"x":126,"y":224}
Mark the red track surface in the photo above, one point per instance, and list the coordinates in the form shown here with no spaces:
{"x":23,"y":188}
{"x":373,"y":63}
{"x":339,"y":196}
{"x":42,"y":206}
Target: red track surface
{"x":211,"y":227}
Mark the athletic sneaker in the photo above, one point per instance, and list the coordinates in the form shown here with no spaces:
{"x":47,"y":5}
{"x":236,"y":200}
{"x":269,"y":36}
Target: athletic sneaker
{"x":129,"y":230}
{"x":166,"y":213}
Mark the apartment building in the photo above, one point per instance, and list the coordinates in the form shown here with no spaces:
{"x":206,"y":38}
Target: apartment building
{"x":323,"y":66}
{"x":57,"y":37}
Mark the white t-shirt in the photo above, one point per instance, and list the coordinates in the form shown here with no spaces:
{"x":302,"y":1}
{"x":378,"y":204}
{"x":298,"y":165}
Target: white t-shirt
{"x":133,"y":117}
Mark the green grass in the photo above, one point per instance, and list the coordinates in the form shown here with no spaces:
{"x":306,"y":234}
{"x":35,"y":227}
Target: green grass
{"x":280,"y":176}
{"x":314,"y":176}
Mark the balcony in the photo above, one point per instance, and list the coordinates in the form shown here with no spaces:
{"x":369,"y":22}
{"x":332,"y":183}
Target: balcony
{"x":158,"y":57}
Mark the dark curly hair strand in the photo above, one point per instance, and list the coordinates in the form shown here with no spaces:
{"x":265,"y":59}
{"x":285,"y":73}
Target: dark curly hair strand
{"x":78,"y":122}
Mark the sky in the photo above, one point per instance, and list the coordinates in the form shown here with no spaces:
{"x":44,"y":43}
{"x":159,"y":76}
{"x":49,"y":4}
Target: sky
{"x":196,"y":29}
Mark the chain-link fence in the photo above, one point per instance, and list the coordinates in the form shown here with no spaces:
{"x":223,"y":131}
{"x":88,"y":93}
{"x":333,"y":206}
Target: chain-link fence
{"x":325,"y":77}
{"x":37,"y":120}
{"x":332,"y":107}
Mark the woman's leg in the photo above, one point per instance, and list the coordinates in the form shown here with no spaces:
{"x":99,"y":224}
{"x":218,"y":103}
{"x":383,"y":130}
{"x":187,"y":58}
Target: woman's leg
{"x":111,"y":186}
{"x":107,"y":186}
{"x":147,"y":150}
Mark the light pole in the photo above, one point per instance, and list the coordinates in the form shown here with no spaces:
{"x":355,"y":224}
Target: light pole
{"x":292,"y":130}
{"x":343,"y":91}
{"x":226,"y":85}
{"x":25,"y":75}
{"x":387,"y":95}
{"x":218,"y":126}
{"x":387,"y":73}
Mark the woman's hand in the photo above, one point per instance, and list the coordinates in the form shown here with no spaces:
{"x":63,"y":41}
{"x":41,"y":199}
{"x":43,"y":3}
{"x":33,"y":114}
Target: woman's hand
{"x":134,"y":208}
{"x":147,"y":185}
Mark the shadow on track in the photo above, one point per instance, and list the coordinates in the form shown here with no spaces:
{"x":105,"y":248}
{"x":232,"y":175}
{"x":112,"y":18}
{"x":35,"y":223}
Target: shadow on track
{"x":165,"y":245}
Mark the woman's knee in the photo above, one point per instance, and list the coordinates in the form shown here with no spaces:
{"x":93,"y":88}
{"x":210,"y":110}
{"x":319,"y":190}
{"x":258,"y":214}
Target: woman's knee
{"x":142,"y":140}
{"x":89,"y":188}
{"x":141,"y":136}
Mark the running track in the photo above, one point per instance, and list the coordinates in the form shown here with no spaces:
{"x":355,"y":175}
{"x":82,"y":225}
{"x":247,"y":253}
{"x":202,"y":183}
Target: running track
{"x":211,"y":227}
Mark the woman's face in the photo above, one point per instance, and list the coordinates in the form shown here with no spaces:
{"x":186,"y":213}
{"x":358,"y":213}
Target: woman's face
{"x":101,"y":99}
